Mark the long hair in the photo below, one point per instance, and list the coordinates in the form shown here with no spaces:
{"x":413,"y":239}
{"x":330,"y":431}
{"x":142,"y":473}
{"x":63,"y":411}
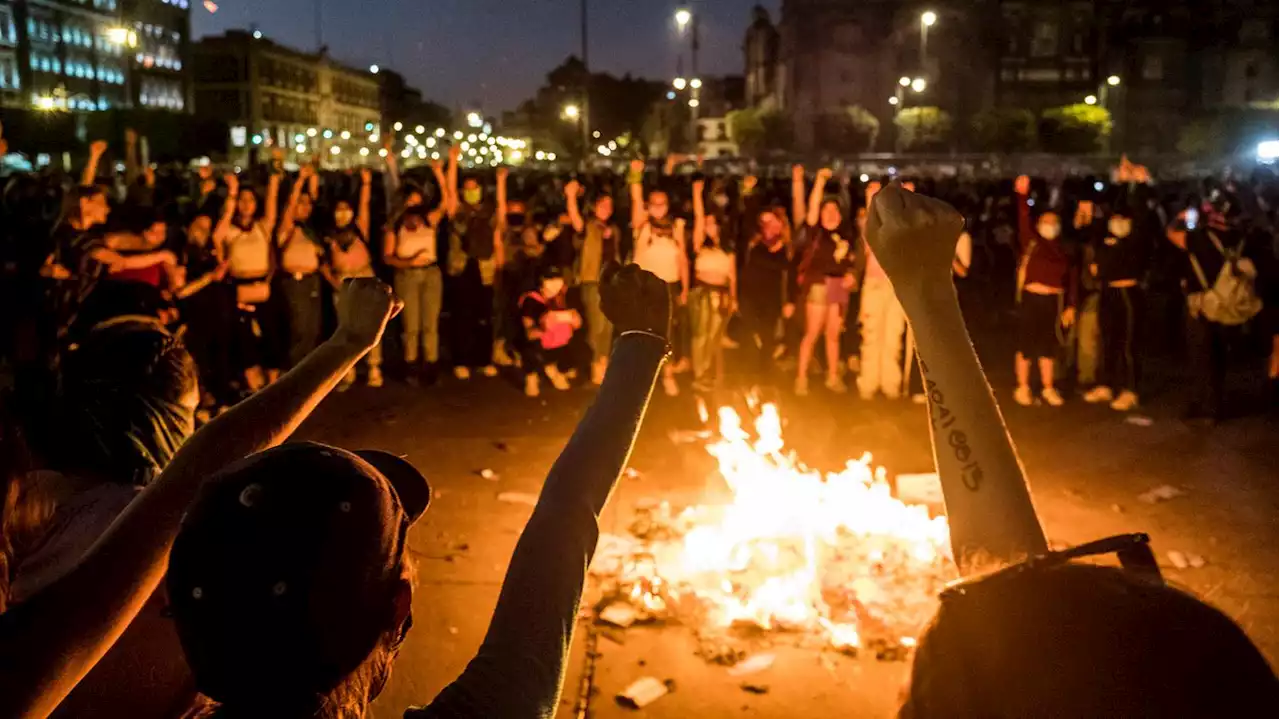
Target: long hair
{"x":14,"y":463}
{"x":71,"y":203}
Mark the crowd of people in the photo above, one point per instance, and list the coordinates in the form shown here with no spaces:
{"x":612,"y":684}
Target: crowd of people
{"x":500,"y":270}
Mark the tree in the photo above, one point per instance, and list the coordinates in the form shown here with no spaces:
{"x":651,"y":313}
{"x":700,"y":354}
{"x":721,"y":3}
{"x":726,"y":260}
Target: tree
{"x":866,"y":126}
{"x":1226,"y":132}
{"x":746,"y":129}
{"x":1004,"y":130}
{"x":1078,"y":128}
{"x":923,"y":129}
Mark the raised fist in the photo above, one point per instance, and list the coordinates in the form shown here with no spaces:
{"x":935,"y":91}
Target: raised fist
{"x":502,"y":174}
{"x":749,"y":183}
{"x":571,"y":188}
{"x":1022,"y":185}
{"x":797,"y":172}
{"x":454,"y":152}
{"x":823,"y":175}
{"x":97,"y":147}
{"x":366,"y":175}
{"x":233,"y":183}
{"x":635,"y":299}
{"x":637,"y":166}
{"x":305,"y":172}
{"x":365,"y":307}
{"x":913,"y":237}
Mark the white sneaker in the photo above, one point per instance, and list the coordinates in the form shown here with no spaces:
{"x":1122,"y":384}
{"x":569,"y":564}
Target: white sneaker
{"x":1022,"y":396}
{"x":375,"y":377}
{"x":802,"y":386}
{"x":1051,"y":397}
{"x":461,"y":372}
{"x":558,"y":380}
{"x":597,"y":371}
{"x":1098,"y":394}
{"x":489,"y":371}
{"x":670,"y":387}
{"x":1125,"y":402}
{"x":531,"y":385}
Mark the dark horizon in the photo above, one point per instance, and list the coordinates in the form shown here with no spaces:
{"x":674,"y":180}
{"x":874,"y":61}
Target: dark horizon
{"x":439,"y":57}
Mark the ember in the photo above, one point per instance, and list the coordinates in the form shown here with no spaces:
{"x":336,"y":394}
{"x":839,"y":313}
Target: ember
{"x":831,"y":555}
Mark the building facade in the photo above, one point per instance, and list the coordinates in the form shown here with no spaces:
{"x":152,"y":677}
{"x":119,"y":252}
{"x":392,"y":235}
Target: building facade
{"x":305,"y":104}
{"x":89,"y":55}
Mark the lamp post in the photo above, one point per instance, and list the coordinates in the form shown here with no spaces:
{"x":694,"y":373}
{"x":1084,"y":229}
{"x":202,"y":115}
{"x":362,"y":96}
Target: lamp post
{"x":573,"y":113}
{"x":927,"y":20}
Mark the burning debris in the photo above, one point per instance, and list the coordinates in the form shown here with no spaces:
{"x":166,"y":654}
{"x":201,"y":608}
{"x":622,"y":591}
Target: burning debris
{"x":832,"y":559}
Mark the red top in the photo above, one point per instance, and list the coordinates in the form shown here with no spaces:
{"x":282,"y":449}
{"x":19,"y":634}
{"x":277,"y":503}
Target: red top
{"x":1048,"y":263}
{"x":151,"y":274}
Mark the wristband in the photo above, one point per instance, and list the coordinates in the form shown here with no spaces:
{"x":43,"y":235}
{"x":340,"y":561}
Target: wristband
{"x":634,"y":177}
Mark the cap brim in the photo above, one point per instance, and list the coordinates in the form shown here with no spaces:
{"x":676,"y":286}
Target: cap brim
{"x":410,"y":485}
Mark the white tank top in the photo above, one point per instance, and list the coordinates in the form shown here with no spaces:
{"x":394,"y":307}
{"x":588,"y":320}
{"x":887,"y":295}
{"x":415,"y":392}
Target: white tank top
{"x":248,"y":252}
{"x":300,"y":253}
{"x":412,"y":243}
{"x":713,"y":266}
{"x":659,"y":254}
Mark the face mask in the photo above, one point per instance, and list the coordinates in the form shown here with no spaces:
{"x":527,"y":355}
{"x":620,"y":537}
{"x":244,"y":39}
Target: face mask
{"x":721,"y":200}
{"x":1049,"y":231}
{"x":552,"y":288}
{"x":515,"y":219}
{"x":342,"y":217}
{"x":1119,"y":227}
{"x":471,"y":196}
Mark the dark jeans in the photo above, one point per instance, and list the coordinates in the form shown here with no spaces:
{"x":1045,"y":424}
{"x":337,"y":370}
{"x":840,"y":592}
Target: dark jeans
{"x":1120,"y":319}
{"x":471,"y":311}
{"x":305,"y":314}
{"x":533,"y":357}
{"x":1207,"y":357}
{"x":760,"y":327}
{"x":210,"y":337}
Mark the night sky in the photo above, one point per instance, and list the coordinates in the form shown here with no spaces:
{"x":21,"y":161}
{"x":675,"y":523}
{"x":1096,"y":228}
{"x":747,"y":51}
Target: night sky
{"x":494,"y":53}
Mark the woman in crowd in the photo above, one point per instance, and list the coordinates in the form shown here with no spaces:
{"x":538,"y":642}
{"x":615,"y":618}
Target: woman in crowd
{"x":1046,"y":294}
{"x":411,"y":246}
{"x":765,"y":285}
{"x":659,"y":247}
{"x":596,"y":241}
{"x":207,"y":306}
{"x":714,"y":297}
{"x":824,"y":277}
{"x":300,"y":256}
{"x":244,"y":239}
{"x":1120,"y":264}
{"x":349,"y":257}
{"x":549,"y":325}
{"x":474,"y":261}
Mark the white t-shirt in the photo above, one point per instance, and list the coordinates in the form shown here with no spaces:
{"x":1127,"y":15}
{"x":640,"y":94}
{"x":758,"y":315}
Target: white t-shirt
{"x":419,"y":243}
{"x":713,"y":266}
{"x":248,"y":252}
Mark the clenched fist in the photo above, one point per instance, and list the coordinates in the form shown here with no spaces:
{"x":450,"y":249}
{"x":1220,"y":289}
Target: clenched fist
{"x":913,"y":236}
{"x":635,"y":299}
{"x":367,"y":304}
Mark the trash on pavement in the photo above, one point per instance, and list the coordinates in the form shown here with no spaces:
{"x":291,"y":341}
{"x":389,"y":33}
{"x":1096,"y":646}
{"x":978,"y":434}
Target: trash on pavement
{"x":1139,"y":420}
{"x":619,"y":614}
{"x":754,"y":687}
{"x":518,"y":498}
{"x":1159,"y":494}
{"x":752,"y":664}
{"x":1177,"y":559}
{"x":631,"y":473}
{"x":488,"y":474}
{"x":642,"y":692}
{"x":1195,"y":560}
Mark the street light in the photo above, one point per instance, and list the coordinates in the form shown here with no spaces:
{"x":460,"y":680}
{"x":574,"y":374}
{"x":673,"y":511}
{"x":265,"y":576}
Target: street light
{"x":571,"y":112}
{"x":904,"y":81}
{"x":374,"y":69}
{"x":693,"y":102}
{"x":695,"y":83}
{"x":894,"y":101}
{"x":679,"y":83}
{"x":918,"y":85}
{"x":474,"y":119}
{"x":1114,"y":80}
{"x":1091,"y":100}
{"x":683,"y":16}
{"x":928,"y":18}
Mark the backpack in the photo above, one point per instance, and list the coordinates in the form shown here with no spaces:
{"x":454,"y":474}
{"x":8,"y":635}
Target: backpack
{"x":1232,"y":299}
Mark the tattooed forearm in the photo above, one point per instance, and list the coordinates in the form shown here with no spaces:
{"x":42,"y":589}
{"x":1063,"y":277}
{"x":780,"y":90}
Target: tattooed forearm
{"x":944,"y":421}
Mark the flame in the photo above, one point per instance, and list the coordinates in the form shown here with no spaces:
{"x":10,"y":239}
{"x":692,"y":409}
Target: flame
{"x":796,"y":549}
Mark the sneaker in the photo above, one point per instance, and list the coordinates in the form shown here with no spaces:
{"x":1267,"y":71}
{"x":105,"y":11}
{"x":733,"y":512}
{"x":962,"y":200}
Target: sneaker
{"x":597,"y":371}
{"x":669,"y":386}
{"x":461,"y":372}
{"x":558,"y":380}
{"x":501,"y":357}
{"x":375,"y":377}
{"x":1125,"y":402}
{"x":837,"y":385}
{"x":1051,"y":397}
{"x":1098,"y":394}
{"x":531,"y":385}
{"x":489,"y":371}
{"x":802,"y":386}
{"x":1022,"y":396}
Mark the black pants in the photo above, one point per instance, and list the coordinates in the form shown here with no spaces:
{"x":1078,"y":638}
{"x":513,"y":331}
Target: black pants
{"x":305,"y":311}
{"x":533,"y":357}
{"x":1207,"y":356}
{"x":210,"y":337}
{"x":1120,"y":318}
{"x":471,"y":309}
{"x":261,"y":341}
{"x":760,"y":325}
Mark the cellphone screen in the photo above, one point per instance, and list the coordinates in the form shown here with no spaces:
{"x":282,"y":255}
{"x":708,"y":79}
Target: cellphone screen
{"x":1193,"y":218}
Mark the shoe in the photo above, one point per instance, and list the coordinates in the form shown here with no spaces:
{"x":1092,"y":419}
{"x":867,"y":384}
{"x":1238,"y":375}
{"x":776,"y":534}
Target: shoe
{"x":854,"y":364}
{"x":461,"y":372}
{"x":571,"y":373}
{"x":500,"y":355}
{"x":531,"y":385}
{"x":1098,"y":394}
{"x":681,"y":366}
{"x":837,"y":385}
{"x":1051,"y":397}
{"x":802,"y":386}
{"x":597,"y":372}
{"x":1125,"y":402}
{"x":489,"y":371}
{"x":728,"y":343}
{"x":375,"y":377}
{"x":919,"y":399}
{"x":670,"y":387}
{"x":558,"y":380}
{"x":1022,"y":396}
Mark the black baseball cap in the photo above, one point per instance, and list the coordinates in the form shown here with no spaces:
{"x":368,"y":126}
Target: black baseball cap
{"x":282,"y":578}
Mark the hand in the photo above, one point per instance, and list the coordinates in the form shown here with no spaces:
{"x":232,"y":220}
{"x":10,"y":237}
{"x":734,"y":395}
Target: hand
{"x":749,"y":183}
{"x":571,"y":189}
{"x":1022,"y":185}
{"x":797,"y":172}
{"x":233,"y":183}
{"x":220,"y":272}
{"x":454,"y":152}
{"x":130,"y":136}
{"x":637,"y":166}
{"x":149,"y":174}
{"x":366,"y":176}
{"x":847,"y":282}
{"x":698,"y":185}
{"x":913,"y":237}
{"x":366,"y":305}
{"x":98,"y":147}
{"x":1068,"y":316}
{"x":305,"y":173}
{"x":502,"y":173}
{"x":635,"y":299}
{"x":788,"y":310}
{"x":436,"y":165}
{"x":823,"y":175}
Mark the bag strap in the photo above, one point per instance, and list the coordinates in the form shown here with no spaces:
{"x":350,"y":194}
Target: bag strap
{"x":1195,"y":265}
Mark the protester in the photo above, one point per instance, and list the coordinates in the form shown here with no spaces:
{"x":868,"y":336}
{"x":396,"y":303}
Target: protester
{"x":765,"y":287}
{"x":1046,"y":293}
{"x":1121,"y":261}
{"x":596,"y":242}
{"x":714,"y":297}
{"x":301,"y":253}
{"x":349,"y":258}
{"x":824,"y":278}
{"x":411,"y":246}
{"x":318,"y":633}
{"x":549,"y":325}
{"x":659,"y":247}
{"x":475,"y":258}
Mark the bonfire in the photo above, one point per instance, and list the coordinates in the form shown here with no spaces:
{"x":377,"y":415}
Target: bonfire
{"x":828,"y":556}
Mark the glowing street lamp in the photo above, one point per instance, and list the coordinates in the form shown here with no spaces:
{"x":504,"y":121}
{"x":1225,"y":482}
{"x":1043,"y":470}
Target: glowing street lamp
{"x":571,"y":112}
{"x":1114,"y":80}
{"x":693,"y":102}
{"x":474,"y":119}
{"x":894,"y":101}
{"x":122,"y":36}
{"x":918,"y":85}
{"x":683,"y":17}
{"x":904,"y":81}
{"x":679,"y":83}
{"x":1091,"y":100}
{"x":374,"y":69}
{"x":928,"y":18}
{"x":695,"y":83}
